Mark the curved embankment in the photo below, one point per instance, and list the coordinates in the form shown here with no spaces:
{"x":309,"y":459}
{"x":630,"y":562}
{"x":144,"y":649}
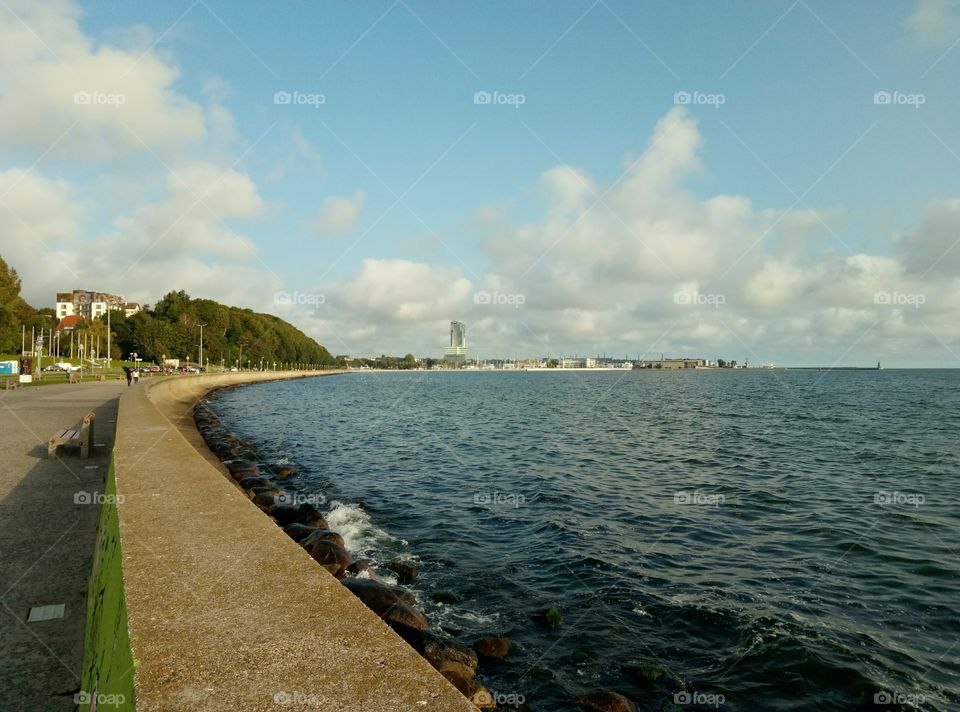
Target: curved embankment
{"x":225,"y":611}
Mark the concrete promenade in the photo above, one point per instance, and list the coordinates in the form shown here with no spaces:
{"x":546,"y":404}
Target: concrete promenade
{"x":225,"y":612}
{"x":48,"y":521}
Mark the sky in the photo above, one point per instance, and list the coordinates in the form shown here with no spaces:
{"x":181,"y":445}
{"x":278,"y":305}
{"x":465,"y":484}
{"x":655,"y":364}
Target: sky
{"x":771,"y":182}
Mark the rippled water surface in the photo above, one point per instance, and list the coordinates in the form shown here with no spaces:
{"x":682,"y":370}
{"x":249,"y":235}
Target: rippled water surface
{"x":771,"y":540}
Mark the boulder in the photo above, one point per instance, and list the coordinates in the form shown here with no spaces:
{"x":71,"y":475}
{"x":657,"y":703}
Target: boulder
{"x":391,"y":603}
{"x":359,"y":566}
{"x":265,"y":500}
{"x":606,"y":702}
{"x":447,"y":597}
{"x":243,"y":467}
{"x":405,"y":571}
{"x":333,"y":557}
{"x":283,"y":472}
{"x":306,"y":513}
{"x":445,"y":654}
{"x":323,"y":535}
{"x":249,"y":483}
{"x":492,"y":647}
{"x":298,"y":532}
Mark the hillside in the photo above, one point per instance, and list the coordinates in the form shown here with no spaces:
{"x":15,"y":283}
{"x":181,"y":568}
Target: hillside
{"x":233,"y":335}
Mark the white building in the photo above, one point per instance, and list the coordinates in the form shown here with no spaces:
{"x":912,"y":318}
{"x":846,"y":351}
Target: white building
{"x":90,"y":305}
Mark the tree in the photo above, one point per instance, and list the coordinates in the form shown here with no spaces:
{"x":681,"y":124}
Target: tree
{"x":11,"y":309}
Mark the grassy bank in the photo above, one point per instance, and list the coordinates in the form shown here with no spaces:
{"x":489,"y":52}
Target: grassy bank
{"x":107,"y":658}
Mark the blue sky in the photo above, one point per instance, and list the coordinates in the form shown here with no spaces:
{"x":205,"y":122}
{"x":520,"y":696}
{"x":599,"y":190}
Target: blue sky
{"x":614,"y":213}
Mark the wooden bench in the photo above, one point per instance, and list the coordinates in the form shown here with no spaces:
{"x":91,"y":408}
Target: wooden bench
{"x":12,"y":383}
{"x":82,"y":437}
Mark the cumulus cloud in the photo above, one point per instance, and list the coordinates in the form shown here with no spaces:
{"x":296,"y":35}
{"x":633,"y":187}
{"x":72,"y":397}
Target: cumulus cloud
{"x":934,"y":23}
{"x":643,"y":265}
{"x":62,"y":91}
{"x":339,"y":215}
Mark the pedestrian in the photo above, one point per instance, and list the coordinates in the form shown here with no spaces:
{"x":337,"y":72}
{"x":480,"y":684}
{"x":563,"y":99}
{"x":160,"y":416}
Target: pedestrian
{"x":126,"y":370}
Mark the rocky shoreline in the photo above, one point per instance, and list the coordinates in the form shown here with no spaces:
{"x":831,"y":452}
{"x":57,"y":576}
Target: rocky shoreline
{"x":271,"y":486}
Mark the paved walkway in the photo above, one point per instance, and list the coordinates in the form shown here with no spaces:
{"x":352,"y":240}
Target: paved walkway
{"x":225,"y":611}
{"x":47,"y":538}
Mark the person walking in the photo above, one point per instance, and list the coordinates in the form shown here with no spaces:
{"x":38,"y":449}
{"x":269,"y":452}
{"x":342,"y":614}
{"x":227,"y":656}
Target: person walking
{"x":126,"y":370}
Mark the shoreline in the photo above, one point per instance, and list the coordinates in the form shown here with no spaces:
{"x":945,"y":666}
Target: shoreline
{"x":200,"y":558}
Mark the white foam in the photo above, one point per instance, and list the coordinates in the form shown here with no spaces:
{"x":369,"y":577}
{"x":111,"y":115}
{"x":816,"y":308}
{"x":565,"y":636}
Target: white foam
{"x":359,"y":534}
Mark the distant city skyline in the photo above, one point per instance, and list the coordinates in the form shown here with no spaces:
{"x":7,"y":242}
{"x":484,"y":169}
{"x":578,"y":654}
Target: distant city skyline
{"x":775,"y":180}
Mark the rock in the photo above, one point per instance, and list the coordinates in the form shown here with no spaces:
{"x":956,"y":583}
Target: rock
{"x":391,"y":603}
{"x":244,"y":467}
{"x":552,"y":618}
{"x":249,"y":483}
{"x":406,"y":572}
{"x":333,"y":557}
{"x":643,"y":672}
{"x":298,"y":532}
{"x":480,"y":697}
{"x":265,"y":500}
{"x":445,"y":597}
{"x":445,"y":654}
{"x":448,"y":655}
{"x":283,"y":472}
{"x":492,"y":647}
{"x":323,"y":535}
{"x":306,"y":513}
{"x":360,"y":566}
{"x":606,"y":702}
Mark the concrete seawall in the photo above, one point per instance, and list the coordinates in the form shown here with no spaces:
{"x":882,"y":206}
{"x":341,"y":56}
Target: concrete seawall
{"x":225,"y":612}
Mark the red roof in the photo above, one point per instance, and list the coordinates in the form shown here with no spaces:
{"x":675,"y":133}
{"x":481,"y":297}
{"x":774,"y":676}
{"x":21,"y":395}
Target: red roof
{"x":69,"y":323}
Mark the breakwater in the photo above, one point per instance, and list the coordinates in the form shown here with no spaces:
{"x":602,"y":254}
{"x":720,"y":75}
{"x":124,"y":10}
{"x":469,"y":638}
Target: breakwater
{"x":224,"y":610}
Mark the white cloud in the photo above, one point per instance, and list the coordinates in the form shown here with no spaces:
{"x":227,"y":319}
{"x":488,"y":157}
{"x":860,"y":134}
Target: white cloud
{"x":60,"y":88}
{"x":935,"y":23}
{"x":339,"y":215}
